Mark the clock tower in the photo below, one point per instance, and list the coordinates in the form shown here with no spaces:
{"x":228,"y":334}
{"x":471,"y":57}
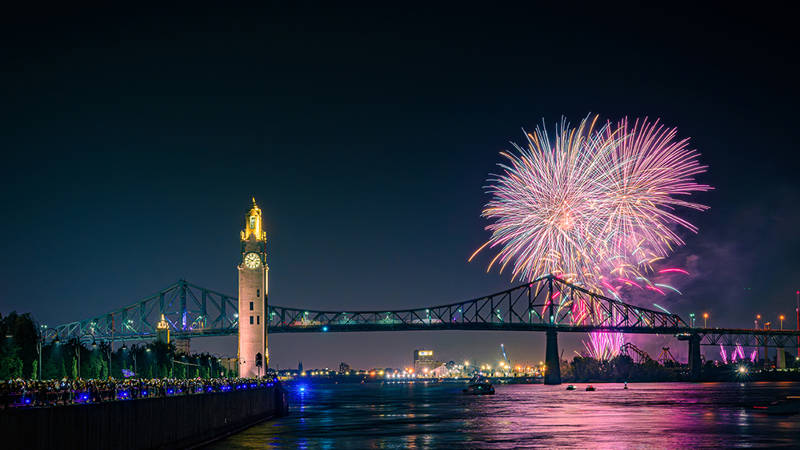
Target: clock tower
{"x":253,"y":297}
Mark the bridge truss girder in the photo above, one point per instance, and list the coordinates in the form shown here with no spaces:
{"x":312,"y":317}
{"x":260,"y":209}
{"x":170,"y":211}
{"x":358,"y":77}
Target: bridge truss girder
{"x":188,"y":309}
{"x":547,"y":302}
{"x":731,"y":337}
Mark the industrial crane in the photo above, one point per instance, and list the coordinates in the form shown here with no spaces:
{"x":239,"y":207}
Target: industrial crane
{"x":505,"y":357}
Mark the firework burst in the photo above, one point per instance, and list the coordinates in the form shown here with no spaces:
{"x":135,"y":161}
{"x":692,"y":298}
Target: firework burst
{"x":594,"y":204}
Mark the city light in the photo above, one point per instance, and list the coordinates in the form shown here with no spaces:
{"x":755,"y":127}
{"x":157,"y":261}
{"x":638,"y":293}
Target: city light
{"x":705,"y":320}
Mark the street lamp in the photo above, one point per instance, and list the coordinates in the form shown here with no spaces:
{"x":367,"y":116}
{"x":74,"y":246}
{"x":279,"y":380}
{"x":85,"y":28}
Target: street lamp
{"x":781,"y":317}
{"x":691,"y":316}
{"x":94,"y":346}
{"x":108,"y":351}
{"x":135,"y":368}
{"x":705,"y":320}
{"x":40,"y":337}
{"x":758,"y":317}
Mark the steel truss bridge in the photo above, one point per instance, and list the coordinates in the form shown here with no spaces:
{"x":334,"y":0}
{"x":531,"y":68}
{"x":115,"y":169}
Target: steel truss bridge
{"x":546,"y":303}
{"x":192,"y":311}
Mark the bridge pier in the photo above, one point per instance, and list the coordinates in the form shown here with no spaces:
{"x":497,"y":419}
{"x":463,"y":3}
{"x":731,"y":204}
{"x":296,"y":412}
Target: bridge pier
{"x":552,"y":374}
{"x":694,"y":357}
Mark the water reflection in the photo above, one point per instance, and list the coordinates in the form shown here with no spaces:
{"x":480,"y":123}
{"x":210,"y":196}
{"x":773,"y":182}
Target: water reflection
{"x":438,"y":415}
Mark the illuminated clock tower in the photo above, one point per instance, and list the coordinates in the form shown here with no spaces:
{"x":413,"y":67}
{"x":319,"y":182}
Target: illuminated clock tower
{"x":253,"y":296}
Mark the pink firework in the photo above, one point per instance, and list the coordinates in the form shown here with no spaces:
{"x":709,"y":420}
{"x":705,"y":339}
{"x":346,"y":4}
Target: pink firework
{"x":603,"y":345}
{"x":592,"y":201}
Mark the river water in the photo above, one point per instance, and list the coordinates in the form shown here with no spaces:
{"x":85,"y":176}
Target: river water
{"x":648,"y":415}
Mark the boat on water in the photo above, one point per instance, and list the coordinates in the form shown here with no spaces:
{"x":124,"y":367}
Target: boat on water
{"x":479,"y":386}
{"x":789,"y":405}
{"x":590,"y":388}
{"x":571,"y":387}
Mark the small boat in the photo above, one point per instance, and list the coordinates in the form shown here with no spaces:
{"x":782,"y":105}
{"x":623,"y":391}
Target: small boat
{"x":479,"y":386}
{"x":789,"y":405}
{"x":590,"y":388}
{"x":571,"y":387}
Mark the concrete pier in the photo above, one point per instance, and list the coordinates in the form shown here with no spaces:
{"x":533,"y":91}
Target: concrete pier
{"x":552,"y":374}
{"x":694,"y":357}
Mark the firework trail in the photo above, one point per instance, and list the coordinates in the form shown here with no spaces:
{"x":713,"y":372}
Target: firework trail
{"x":603,"y":345}
{"x":594,"y":205}
{"x":739,"y":351}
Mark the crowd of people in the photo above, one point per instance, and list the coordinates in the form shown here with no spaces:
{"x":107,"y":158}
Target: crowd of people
{"x":32,"y":393}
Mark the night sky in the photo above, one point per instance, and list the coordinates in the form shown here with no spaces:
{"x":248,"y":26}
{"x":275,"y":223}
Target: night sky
{"x":132,"y":141}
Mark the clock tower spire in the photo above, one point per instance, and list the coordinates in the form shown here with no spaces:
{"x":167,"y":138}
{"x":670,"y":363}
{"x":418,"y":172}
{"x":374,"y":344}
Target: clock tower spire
{"x":253,"y":285}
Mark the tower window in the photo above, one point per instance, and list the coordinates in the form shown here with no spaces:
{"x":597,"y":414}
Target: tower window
{"x":258,"y":292}
{"x":251,"y":306}
{"x":252,"y":222}
{"x":258,"y":320}
{"x":251,"y":320}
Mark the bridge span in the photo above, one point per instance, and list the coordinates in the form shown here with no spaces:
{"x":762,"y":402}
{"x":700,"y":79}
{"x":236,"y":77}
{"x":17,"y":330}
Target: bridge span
{"x":548,"y":304}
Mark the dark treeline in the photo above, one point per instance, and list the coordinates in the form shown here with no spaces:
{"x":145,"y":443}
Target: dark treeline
{"x":619,"y":369}
{"x":89,"y":359}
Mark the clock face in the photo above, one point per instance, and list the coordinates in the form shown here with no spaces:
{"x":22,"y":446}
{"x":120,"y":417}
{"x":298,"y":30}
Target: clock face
{"x":252,"y":261}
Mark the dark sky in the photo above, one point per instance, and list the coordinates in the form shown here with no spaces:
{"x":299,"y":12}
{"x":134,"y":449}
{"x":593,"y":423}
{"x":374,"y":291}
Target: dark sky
{"x":132,"y":141}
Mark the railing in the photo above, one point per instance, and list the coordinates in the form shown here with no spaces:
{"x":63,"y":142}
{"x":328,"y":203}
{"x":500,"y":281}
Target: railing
{"x":16,"y":394}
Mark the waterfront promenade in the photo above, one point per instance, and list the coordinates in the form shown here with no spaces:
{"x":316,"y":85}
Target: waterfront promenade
{"x":134,"y":414}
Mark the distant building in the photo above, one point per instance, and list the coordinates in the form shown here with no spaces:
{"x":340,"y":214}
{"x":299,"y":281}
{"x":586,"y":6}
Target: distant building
{"x":300,"y":366}
{"x":344,"y":367}
{"x":162,"y":331}
{"x":424,"y":361}
{"x":182,"y":346}
{"x":440,"y":372}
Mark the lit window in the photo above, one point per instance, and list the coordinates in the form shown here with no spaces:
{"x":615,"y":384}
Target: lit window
{"x":251,"y":306}
{"x":251,"y":320}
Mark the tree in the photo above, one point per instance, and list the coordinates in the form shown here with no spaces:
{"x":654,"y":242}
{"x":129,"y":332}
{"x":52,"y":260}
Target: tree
{"x":54,"y":363}
{"x":10,"y":366}
{"x":622,"y":367}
